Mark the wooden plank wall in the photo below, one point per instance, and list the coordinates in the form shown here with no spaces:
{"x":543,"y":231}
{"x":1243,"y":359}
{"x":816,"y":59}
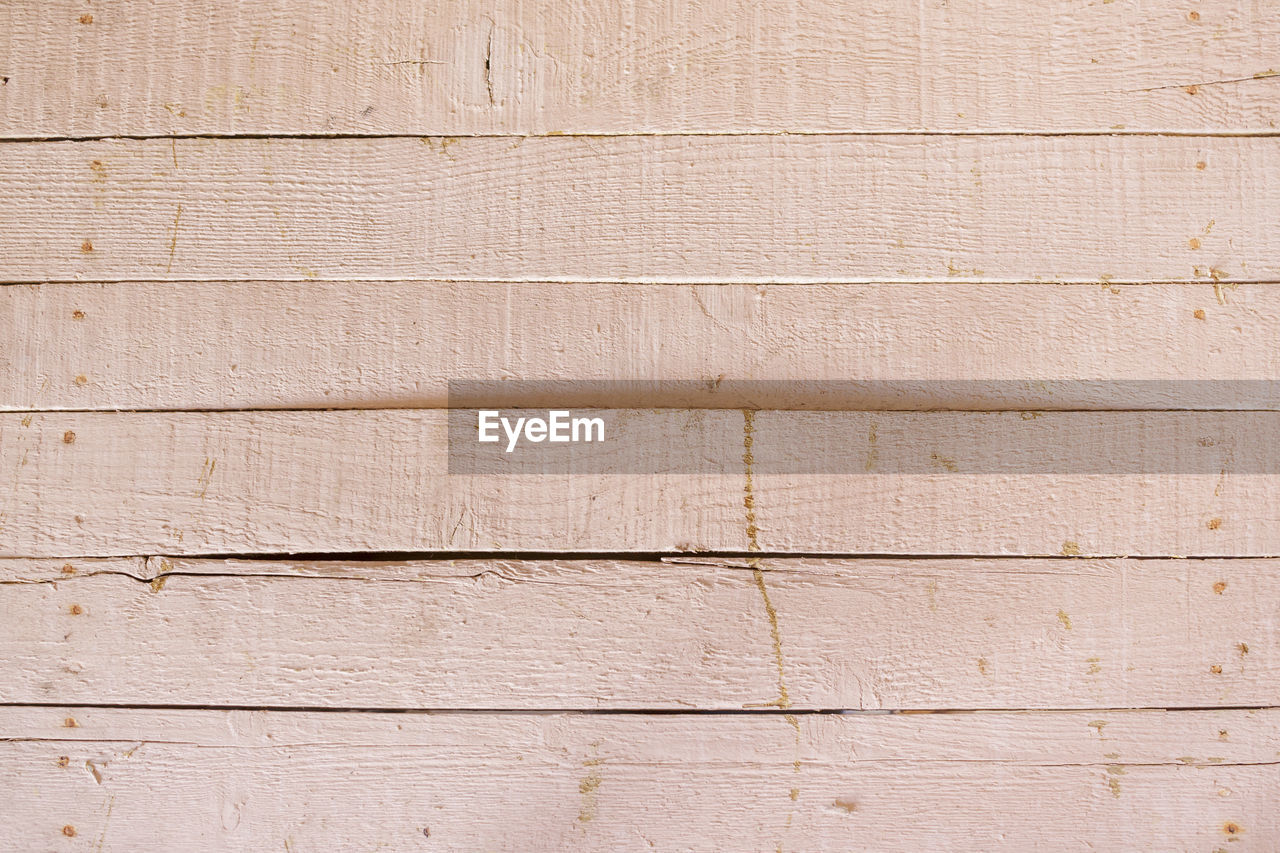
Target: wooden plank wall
{"x":245,"y":249}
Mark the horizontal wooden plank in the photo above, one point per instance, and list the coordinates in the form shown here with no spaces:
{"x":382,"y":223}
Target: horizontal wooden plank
{"x":394,"y":66}
{"x":502,"y":634}
{"x":728,"y":209}
{"x":226,"y":345}
{"x":162,"y":780}
{"x":1088,"y":483}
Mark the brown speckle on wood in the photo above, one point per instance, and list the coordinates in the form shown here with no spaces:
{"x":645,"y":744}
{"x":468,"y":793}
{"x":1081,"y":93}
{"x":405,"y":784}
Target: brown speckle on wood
{"x":1214,"y":523}
{"x":68,"y":437}
{"x":77,"y":314}
{"x":1193,"y":16}
{"x":68,"y":569}
{"x":86,"y":18}
{"x":76,"y":610}
{"x":1219,"y":587}
{"x":1216,"y":669}
{"x":69,"y":831}
{"x":64,"y":760}
{"x":81,"y":379}
{"x":70,"y":723}
{"x":1231,"y":828}
{"x":1199,"y":314}
{"x":86,"y":246}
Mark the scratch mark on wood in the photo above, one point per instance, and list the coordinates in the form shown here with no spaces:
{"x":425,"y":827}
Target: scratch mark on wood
{"x":173,"y":240}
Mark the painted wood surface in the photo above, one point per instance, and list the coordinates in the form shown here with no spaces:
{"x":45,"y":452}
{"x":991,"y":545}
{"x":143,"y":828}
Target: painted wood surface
{"x":1015,"y":483}
{"x":701,"y":634}
{"x":228,"y":345}
{"x":128,"y":780}
{"x":150,"y":780}
{"x":642,"y":66}
{"x":725,"y":209}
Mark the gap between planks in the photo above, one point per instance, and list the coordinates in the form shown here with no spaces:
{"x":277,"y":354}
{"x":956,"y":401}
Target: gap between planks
{"x":142,"y":137}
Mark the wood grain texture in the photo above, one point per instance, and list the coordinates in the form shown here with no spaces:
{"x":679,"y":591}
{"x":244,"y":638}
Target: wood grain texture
{"x":103,"y":484}
{"x":727,"y":209}
{"x":227,"y":345}
{"x":652,"y":66}
{"x":155,"y":780}
{"x":503,"y":634}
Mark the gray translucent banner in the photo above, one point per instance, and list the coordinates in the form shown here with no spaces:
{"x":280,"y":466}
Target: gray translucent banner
{"x":558,"y":427}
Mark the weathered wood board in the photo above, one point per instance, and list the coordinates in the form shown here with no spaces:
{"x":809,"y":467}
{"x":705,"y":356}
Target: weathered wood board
{"x":258,"y":591}
{"x":71,"y":68}
{"x":354,"y":344}
{"x":130,"y":780}
{"x":963,"y":483}
{"x":724,"y":209}
{"x":611,"y":634}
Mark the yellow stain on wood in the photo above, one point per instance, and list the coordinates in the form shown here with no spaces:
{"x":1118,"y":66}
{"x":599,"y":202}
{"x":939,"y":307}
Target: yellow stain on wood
{"x":588,"y":787}
{"x":753,"y":545}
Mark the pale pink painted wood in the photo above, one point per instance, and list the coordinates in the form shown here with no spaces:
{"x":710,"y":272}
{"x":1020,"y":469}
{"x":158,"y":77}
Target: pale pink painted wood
{"x":103,"y":484}
{"x":214,"y":345}
{"x":153,"y":780}
{"x":602,"y":66}
{"x":503,"y":634}
{"x":726,"y":209}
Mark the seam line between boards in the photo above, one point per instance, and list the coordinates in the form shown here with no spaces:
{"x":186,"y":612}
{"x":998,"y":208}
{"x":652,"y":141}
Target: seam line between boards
{"x":645,"y":711}
{"x":1241,"y":133}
